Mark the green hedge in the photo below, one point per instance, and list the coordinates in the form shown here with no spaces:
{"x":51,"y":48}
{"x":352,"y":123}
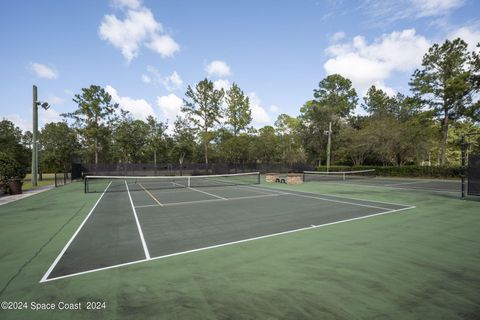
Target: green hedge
{"x":403,"y":171}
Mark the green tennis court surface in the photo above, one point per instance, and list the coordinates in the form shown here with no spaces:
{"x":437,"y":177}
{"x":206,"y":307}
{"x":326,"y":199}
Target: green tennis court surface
{"x":126,"y":227}
{"x":244,"y":252}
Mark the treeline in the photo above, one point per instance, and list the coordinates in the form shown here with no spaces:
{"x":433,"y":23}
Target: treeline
{"x":420,"y":129}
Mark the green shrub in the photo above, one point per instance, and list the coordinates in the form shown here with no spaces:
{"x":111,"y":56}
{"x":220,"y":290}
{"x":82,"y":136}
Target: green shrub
{"x":10,"y":168}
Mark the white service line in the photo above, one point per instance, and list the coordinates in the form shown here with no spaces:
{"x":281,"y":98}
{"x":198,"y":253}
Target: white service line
{"x":144,"y":244}
{"x":45,"y":276}
{"x":151,"y":195}
{"x":403,"y":183}
{"x":218,"y":200}
{"x":266,"y":189}
{"x":233,"y":242}
{"x":172,"y":204}
{"x":210,"y":194}
{"x":338,"y":201}
{"x":243,"y":187}
{"x":349,"y":198}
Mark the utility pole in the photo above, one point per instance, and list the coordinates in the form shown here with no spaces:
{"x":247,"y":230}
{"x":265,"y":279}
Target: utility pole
{"x":329,"y":144}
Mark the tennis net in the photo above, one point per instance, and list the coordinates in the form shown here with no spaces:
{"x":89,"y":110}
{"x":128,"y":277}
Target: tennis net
{"x":142,"y":183}
{"x":338,"y":176}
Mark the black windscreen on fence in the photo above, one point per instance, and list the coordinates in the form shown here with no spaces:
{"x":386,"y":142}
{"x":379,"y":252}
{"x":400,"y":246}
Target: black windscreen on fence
{"x":168,"y":169}
{"x":473,"y":174}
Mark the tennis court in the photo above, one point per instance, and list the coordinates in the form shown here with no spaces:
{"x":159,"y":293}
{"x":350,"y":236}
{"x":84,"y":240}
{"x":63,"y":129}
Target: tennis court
{"x":370,"y":178}
{"x":139,"y":219}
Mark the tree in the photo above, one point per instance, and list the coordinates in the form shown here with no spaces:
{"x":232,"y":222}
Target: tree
{"x":131,"y":137}
{"x":238,"y":116}
{"x":444,"y":84}
{"x":11,"y":144}
{"x":474,"y":111}
{"x":287,"y":128}
{"x":378,"y":103}
{"x":60,"y":144}
{"x":267,"y":144}
{"x":203,"y":109}
{"x":94,"y":114}
{"x":337,"y":93}
{"x":183,"y":141}
{"x":156,"y":136}
{"x":334,"y":100}
{"x":238,"y":111}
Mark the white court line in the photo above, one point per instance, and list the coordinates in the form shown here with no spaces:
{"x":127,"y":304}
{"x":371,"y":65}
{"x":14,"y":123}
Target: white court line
{"x":151,"y":195}
{"x":396,"y":188}
{"x":148,"y":205}
{"x":144,"y":244}
{"x":347,"y":202}
{"x":261,"y":188}
{"x":210,"y":194}
{"x":338,"y":201}
{"x":218,"y":200}
{"x":403,"y":183}
{"x":230,"y":243}
{"x":171,"y":204}
{"x":45,"y":276}
{"x":349,"y":198}
{"x":243,"y":187}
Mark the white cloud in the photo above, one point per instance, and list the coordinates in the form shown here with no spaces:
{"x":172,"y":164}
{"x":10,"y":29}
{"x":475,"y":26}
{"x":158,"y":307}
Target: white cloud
{"x":170,"y":105}
{"x":274,"y":108}
{"x":389,"y":11}
{"x":54,"y":100}
{"x":218,"y":68}
{"x":20,"y":122}
{"x":388,"y":90}
{"x":47,"y":116}
{"x":222,"y":84}
{"x":259,"y":115}
{"x":337,"y":36}
{"x":163,"y":45}
{"x":129,"y":4}
{"x":68,"y":92}
{"x":367,"y":64}
{"x":138,"y":28}
{"x":470,"y":34}
{"x":138,"y":108}
{"x":44,"y":71}
{"x":146,"y":78}
{"x":172,"y":82}
{"x":44,"y":117}
{"x":428,"y":8}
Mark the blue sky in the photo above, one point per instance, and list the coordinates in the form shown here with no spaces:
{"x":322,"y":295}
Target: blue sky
{"x":146,"y":52}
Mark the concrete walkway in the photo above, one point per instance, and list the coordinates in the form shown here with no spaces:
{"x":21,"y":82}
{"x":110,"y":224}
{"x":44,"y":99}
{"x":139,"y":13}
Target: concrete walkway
{"x":10,"y":198}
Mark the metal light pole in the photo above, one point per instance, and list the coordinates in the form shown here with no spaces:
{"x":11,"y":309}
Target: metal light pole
{"x":35,"y":105}
{"x":34,"y":137}
{"x":329,"y":144}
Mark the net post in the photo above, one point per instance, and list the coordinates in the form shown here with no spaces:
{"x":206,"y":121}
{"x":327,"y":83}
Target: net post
{"x":85,"y":184}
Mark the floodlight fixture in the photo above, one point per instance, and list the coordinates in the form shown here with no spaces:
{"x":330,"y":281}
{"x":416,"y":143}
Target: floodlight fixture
{"x":43,"y":104}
